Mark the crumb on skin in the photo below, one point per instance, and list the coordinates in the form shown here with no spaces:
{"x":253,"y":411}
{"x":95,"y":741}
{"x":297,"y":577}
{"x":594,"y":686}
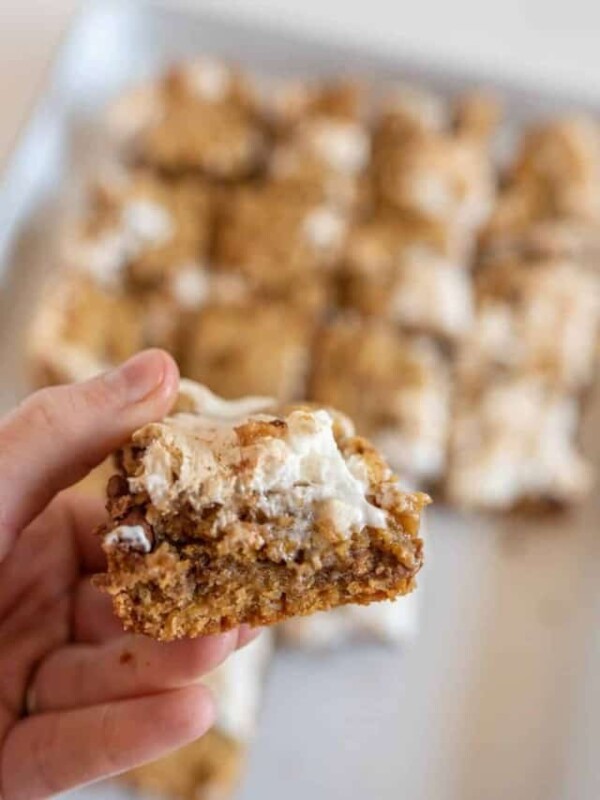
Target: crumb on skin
{"x":126,"y":657}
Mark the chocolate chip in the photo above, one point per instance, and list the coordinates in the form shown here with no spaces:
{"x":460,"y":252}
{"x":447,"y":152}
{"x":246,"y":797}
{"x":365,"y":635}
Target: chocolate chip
{"x":126,"y":657}
{"x":117,"y":487}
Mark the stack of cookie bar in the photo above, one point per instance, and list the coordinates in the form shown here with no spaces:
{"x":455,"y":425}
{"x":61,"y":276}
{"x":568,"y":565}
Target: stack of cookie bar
{"x":319,"y":241}
{"x":296,"y":243}
{"x":403,"y":284}
{"x":530,"y":356}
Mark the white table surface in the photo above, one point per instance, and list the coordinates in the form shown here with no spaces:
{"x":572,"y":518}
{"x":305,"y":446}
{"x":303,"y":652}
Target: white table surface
{"x":551,"y":42}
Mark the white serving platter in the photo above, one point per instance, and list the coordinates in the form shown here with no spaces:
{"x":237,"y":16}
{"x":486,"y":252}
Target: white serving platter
{"x":499,"y":696}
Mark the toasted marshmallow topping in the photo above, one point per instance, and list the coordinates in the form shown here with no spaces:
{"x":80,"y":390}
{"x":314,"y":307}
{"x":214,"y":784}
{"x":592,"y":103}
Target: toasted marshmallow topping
{"x":200,"y":400}
{"x":142,"y":224}
{"x":147,"y":223}
{"x":325,"y":228}
{"x":103,"y":258}
{"x":432,"y":194}
{"x":518,"y":442}
{"x":432,"y":293}
{"x":418,"y":448}
{"x":191,"y":286}
{"x":553,"y":326}
{"x":69,"y":362}
{"x":343,"y":146}
{"x":208,"y":78}
{"x":309,"y":455}
{"x":296,"y":470}
{"x":132,"y":537}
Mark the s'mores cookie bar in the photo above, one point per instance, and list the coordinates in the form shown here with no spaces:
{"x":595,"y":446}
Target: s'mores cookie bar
{"x":141,"y":232}
{"x":535,"y":317}
{"x":326,"y":156}
{"x":269,"y":229}
{"x":398,"y":269}
{"x":324,"y":144}
{"x":396,"y":388}
{"x":432,"y":172}
{"x":200,"y":117}
{"x":440,"y":179}
{"x":210,"y":768}
{"x":234,"y":513}
{"x":532,"y":350}
{"x":80,"y":329}
{"x":513,"y":444}
{"x":249,"y":348}
{"x":550,"y":204}
{"x":284,"y":244}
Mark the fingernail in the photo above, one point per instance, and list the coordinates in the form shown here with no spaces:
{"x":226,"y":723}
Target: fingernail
{"x":138,"y":377}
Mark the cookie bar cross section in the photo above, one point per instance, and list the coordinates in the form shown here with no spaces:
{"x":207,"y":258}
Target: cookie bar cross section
{"x":227,"y":514}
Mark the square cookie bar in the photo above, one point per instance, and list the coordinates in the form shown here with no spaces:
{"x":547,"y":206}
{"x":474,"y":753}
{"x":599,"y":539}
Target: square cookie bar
{"x":200,"y":117}
{"x":550,"y":203}
{"x":273,"y":235}
{"x":210,"y":768}
{"x":82,"y":328}
{"x":141,"y":232}
{"x":426,"y":166}
{"x":249,"y":348}
{"x":327,"y":156}
{"x":514,"y":443}
{"x":233,"y":513}
{"x":323,"y":143}
{"x":535,"y":317}
{"x":399,"y":269}
{"x":395,"y":386}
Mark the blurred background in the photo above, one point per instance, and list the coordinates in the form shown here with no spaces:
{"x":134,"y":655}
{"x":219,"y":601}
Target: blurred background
{"x":497,"y":697}
{"x":552,"y":43}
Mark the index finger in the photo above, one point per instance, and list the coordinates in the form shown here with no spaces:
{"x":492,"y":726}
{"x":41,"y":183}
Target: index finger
{"x":59,"y":434}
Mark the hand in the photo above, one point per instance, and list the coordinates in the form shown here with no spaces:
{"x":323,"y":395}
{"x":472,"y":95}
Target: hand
{"x":98,"y":701}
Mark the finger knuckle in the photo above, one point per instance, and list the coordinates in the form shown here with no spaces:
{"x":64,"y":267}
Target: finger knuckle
{"x":43,"y":409}
{"x":43,"y":756}
{"x":56,"y":409}
{"x":109,"y":740}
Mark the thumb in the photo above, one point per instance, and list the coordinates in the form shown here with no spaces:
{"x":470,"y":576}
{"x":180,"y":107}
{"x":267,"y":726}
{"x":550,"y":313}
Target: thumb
{"x":56,"y":436}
